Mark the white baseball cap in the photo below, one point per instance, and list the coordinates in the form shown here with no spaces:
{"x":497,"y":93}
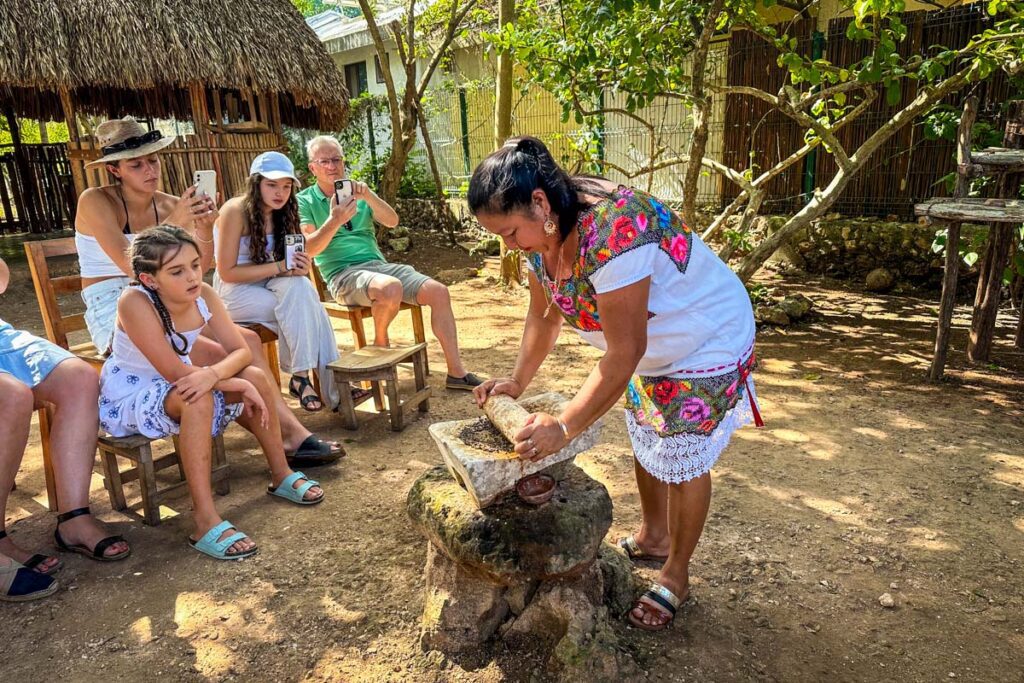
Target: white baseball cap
{"x":273,"y":166}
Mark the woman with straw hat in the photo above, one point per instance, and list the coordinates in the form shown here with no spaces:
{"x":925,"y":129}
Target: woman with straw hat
{"x":108,"y":219}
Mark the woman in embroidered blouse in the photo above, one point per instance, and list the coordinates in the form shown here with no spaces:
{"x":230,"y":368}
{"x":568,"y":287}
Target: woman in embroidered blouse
{"x":675,"y":325}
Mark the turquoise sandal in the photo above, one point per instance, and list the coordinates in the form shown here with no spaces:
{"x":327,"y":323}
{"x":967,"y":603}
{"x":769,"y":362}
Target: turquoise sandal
{"x":218,"y":550}
{"x":295,"y":495}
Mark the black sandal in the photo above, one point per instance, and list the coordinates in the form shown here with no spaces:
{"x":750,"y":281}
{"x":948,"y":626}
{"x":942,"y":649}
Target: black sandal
{"x":313,"y":452}
{"x":304,"y":401}
{"x":101,"y":547}
{"x":36,"y":560}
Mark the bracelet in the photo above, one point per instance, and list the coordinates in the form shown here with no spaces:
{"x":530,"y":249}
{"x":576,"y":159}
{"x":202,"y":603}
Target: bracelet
{"x":565,"y":429}
{"x":280,"y":266}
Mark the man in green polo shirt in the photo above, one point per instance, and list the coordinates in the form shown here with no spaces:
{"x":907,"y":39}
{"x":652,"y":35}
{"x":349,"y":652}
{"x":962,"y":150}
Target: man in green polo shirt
{"x":343,"y":243}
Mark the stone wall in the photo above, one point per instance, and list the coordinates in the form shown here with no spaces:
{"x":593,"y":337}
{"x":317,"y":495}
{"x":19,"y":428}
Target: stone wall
{"x":426,"y":214}
{"x":849,"y":248}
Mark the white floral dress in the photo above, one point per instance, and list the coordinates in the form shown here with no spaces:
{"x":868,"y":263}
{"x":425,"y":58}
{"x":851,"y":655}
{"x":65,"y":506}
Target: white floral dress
{"x":132,"y":392}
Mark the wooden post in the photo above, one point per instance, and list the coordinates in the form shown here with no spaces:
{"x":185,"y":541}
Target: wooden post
{"x":997,"y":253}
{"x":948,"y":301}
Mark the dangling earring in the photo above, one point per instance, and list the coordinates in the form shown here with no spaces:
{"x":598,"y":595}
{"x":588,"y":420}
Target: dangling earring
{"x":549,"y":228}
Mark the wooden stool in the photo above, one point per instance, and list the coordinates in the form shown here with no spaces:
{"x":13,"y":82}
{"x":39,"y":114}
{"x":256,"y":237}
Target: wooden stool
{"x":376,"y":365}
{"x":139,"y":449}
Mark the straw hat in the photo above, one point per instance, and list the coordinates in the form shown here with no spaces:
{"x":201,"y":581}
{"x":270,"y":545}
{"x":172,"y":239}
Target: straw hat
{"x":127,"y":139}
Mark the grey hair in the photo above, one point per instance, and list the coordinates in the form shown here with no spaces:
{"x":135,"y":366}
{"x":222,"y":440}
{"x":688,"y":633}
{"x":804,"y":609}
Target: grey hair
{"x":320,"y":140}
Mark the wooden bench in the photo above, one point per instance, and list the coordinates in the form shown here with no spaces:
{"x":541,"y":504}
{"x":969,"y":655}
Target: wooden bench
{"x":137,"y":449}
{"x":356,"y":315}
{"x":378,"y":365}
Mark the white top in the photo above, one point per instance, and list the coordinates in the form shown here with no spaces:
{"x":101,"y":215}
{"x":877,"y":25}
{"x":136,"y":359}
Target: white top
{"x":703,"y":319}
{"x":93,"y":261}
{"x":125,"y":357}
{"x":244,"y":259}
{"x":700,"y":320}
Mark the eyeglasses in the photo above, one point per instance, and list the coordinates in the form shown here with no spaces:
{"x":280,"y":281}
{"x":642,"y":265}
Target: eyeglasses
{"x":132,"y":143}
{"x":333,"y":161}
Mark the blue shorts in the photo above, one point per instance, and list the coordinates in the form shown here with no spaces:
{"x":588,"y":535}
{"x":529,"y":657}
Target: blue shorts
{"x":27,"y":357}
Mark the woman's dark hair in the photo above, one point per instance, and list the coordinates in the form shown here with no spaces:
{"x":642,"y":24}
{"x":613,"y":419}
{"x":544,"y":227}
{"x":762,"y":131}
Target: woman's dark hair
{"x":285,"y":220}
{"x":148,"y":253}
{"x":505,"y":181}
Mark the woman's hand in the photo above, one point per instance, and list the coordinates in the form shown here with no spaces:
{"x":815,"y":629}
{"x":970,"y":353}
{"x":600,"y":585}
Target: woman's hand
{"x":197,"y":383}
{"x":540,"y":437}
{"x":502,"y":385}
{"x":253,"y":402}
{"x":302,"y":263}
{"x":208,"y":213}
{"x":188,"y":208}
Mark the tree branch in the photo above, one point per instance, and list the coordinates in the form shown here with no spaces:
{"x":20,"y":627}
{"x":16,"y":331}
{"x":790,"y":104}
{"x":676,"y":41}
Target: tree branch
{"x":457,"y":15}
{"x":378,"y":44}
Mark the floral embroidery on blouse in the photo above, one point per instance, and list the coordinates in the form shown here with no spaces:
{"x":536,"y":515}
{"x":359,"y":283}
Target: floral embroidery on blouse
{"x":694,"y":405}
{"x":627,"y":220}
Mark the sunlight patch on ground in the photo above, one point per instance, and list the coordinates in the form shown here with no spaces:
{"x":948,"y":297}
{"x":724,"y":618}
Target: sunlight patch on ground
{"x":926,"y":538}
{"x":902,"y":422}
{"x":206,"y":623}
{"x":790,"y":435}
{"x":832,"y":508}
{"x":142,"y":629}
{"x":1019,"y":524}
{"x":339,"y":613}
{"x":874,"y":433}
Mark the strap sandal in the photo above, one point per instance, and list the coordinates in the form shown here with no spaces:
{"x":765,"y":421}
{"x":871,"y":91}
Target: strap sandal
{"x":360,"y":394}
{"x":314,"y":452}
{"x":37,"y":559}
{"x":211,"y":544}
{"x":295,"y":495}
{"x":297,"y":387}
{"x":101,"y":547}
{"x":637,"y":554}
{"x":661,"y":602}
{"x":21,"y":584}
{"x":468,"y":382}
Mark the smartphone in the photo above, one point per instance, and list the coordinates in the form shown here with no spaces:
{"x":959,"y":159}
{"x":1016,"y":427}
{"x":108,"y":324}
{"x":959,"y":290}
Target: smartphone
{"x":342,"y":190}
{"x":293,"y":243}
{"x":206,"y":183}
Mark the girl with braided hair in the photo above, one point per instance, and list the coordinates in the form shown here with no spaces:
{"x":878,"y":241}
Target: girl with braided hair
{"x":149,"y":386}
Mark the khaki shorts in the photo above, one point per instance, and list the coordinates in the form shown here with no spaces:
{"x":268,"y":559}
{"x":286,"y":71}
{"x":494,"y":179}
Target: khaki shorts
{"x":350,"y":286}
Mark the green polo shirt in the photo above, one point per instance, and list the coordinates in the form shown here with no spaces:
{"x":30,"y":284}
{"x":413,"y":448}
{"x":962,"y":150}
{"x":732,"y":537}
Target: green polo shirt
{"x":348,"y":247}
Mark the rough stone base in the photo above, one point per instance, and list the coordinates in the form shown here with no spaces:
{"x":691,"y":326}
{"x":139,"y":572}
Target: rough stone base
{"x":566,"y":621}
{"x":459,"y":611}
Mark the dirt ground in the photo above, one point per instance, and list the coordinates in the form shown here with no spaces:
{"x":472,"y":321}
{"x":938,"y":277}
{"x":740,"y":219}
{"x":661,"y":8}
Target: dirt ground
{"x":866,"y":480}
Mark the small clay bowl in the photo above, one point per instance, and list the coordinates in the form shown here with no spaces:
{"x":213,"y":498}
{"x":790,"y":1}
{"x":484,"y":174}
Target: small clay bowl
{"x":536,"y":489}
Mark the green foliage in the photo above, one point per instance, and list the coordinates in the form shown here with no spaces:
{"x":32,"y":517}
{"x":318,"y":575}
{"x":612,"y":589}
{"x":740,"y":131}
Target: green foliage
{"x":362,"y":163}
{"x":29,"y":129}
{"x":309,"y":8}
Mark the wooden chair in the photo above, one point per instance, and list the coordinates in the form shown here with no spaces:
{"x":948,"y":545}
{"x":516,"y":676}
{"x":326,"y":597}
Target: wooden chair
{"x":269,"y":339}
{"x":355,"y":315}
{"x":137,"y":449}
{"x":381,"y":365}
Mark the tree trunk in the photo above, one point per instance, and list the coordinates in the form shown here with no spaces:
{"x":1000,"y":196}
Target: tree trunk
{"x":428,"y":145}
{"x":402,"y":142}
{"x":700,"y":114}
{"x":511,"y":261}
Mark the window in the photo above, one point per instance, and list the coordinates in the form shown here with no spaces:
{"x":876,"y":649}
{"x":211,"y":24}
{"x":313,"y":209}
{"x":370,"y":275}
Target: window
{"x":376,"y":66}
{"x":355,"y":79}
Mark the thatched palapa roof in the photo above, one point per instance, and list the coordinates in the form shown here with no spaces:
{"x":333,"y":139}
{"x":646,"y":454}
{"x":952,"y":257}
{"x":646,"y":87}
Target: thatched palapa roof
{"x":141,"y":56}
